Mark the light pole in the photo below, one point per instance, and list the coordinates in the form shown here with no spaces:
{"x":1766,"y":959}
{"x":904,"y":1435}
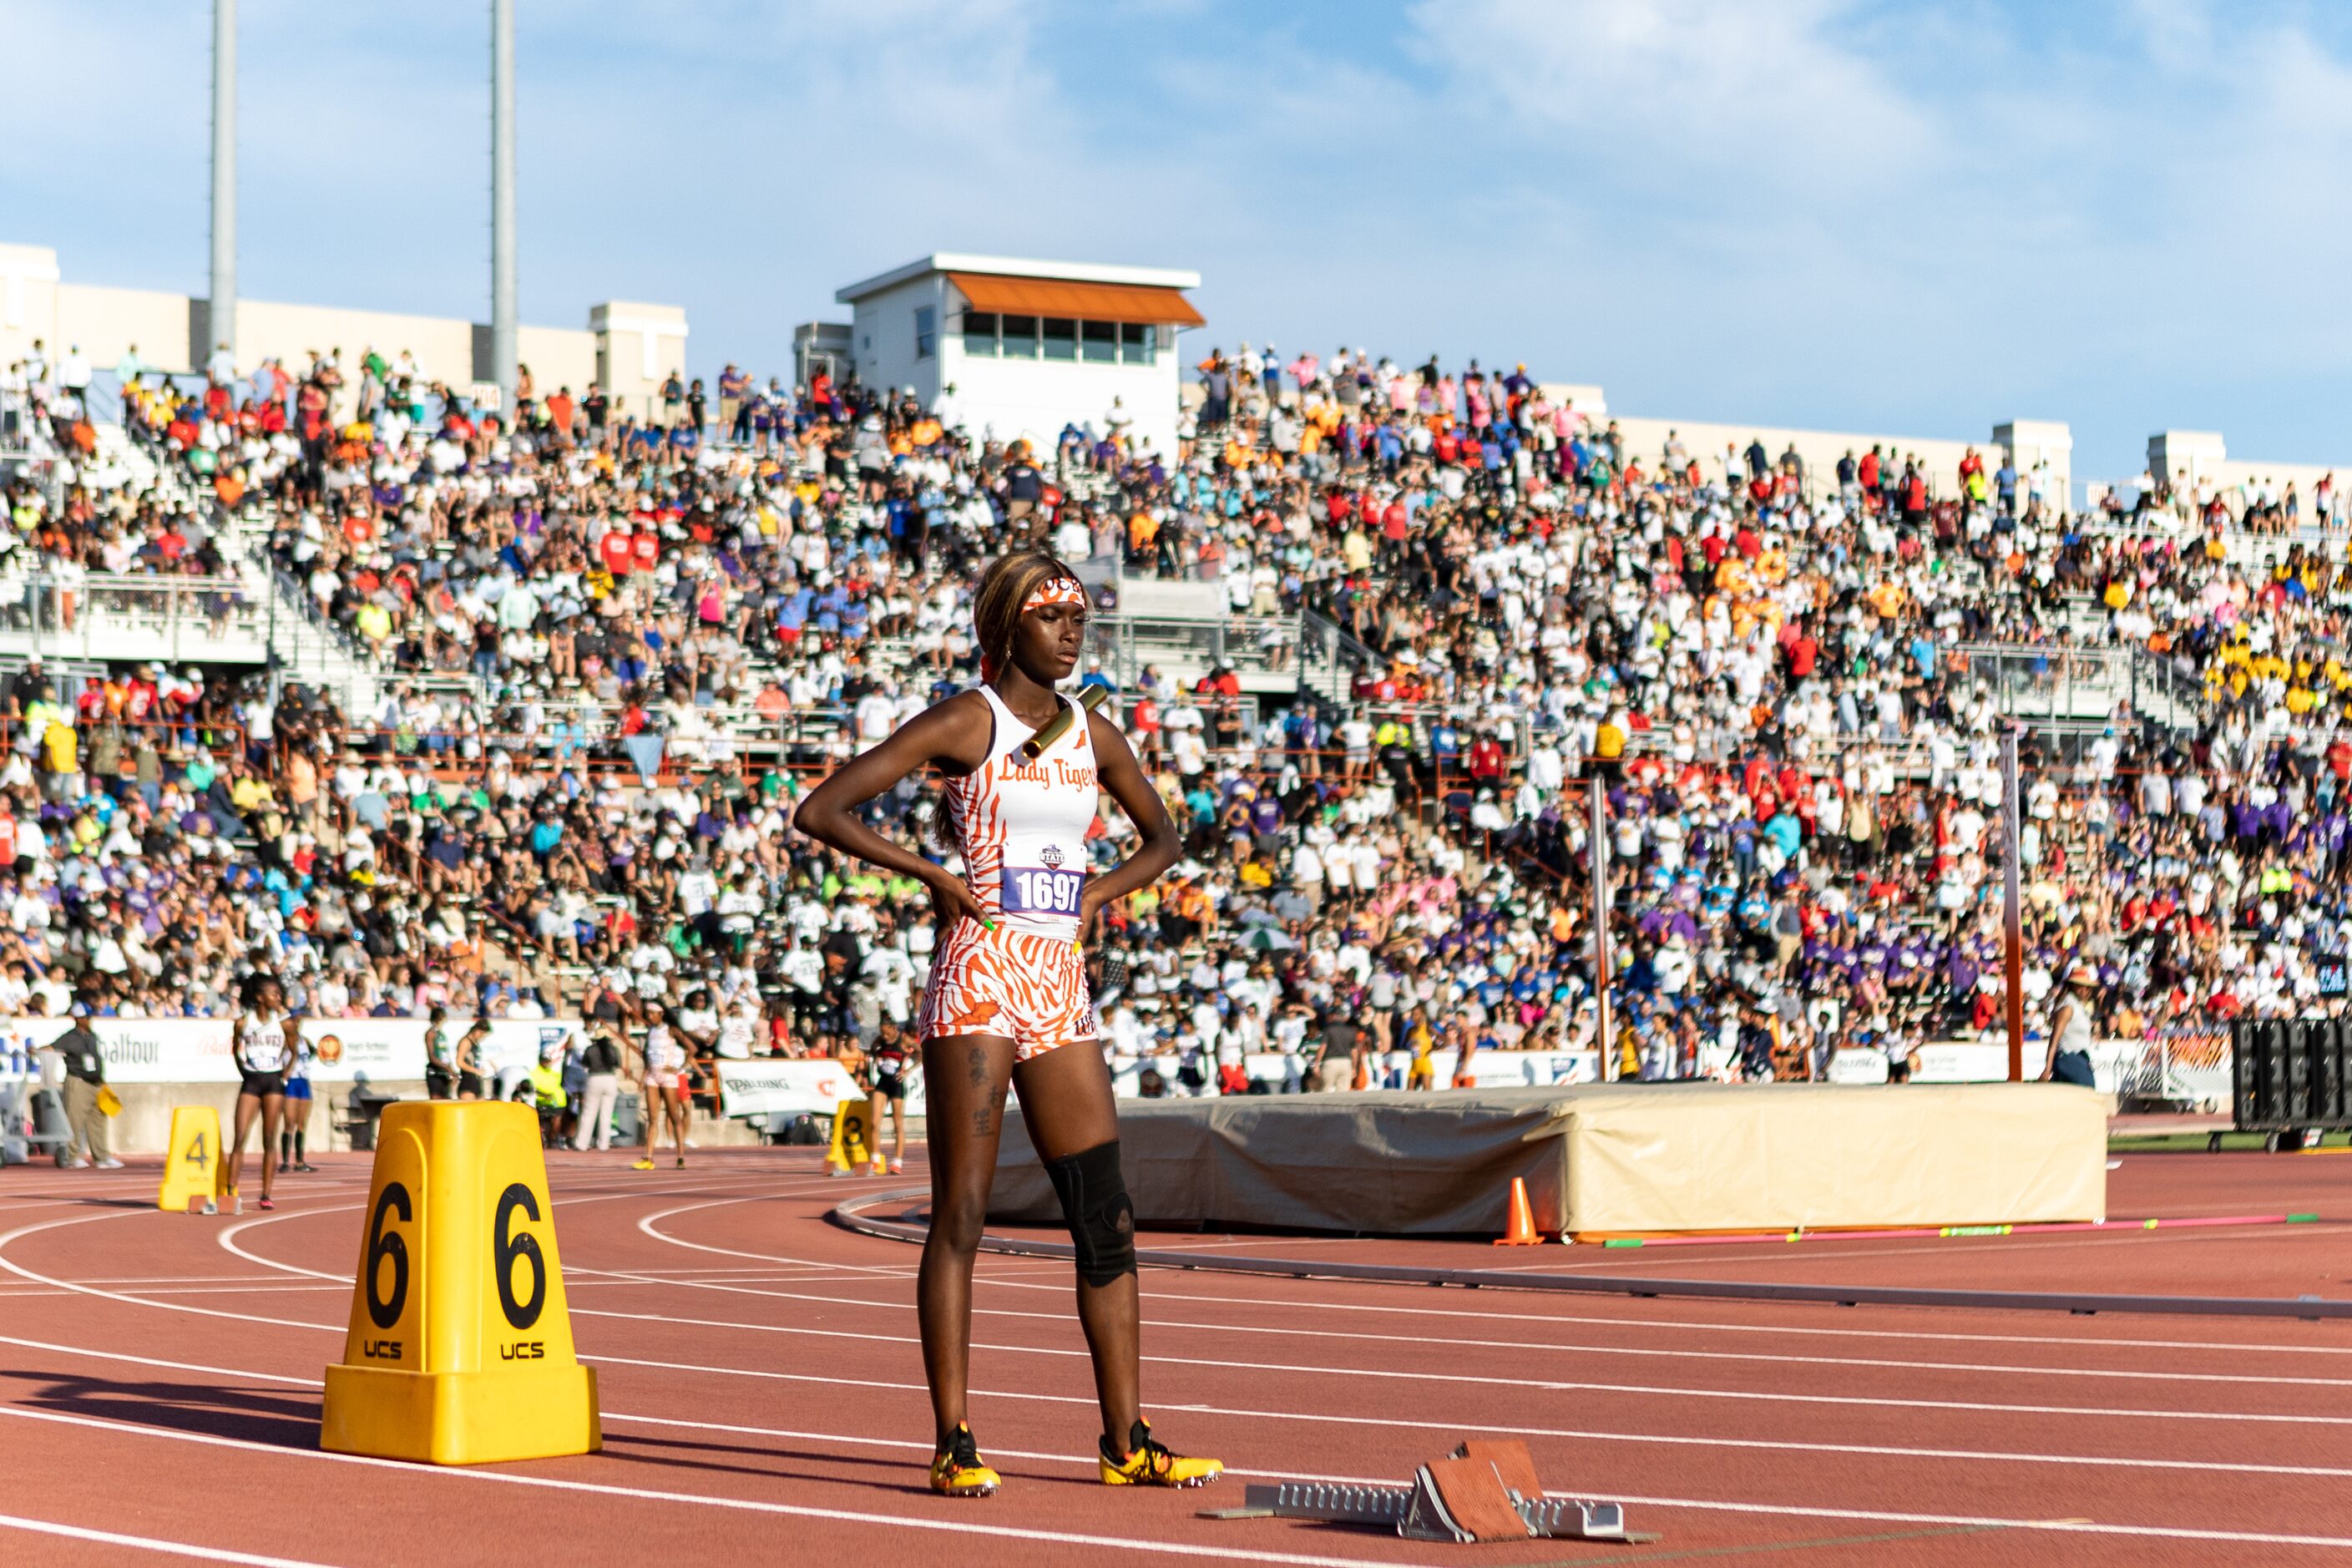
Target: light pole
{"x":220,"y":310}
{"x":504,"y":326}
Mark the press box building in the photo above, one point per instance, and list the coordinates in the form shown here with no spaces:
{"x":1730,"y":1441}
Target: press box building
{"x":1011,"y":348}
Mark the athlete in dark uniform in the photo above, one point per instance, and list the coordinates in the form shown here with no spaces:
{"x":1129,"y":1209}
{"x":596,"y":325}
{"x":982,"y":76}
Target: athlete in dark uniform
{"x":887,"y":1073}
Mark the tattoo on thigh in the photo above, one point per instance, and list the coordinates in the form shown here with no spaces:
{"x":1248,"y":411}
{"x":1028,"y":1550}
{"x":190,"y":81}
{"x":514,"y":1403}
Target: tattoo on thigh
{"x":983,"y":1120}
{"x":979,"y":1066}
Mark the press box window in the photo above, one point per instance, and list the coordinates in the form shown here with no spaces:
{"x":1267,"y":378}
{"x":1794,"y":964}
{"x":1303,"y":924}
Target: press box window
{"x":1020,"y":337}
{"x":1099,"y":340}
{"x":1135,"y":342}
{"x":980,"y":334}
{"x":1061,"y":338}
{"x":926,"y":331}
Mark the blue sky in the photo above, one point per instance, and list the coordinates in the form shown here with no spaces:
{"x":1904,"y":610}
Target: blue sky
{"x":1919,"y":217}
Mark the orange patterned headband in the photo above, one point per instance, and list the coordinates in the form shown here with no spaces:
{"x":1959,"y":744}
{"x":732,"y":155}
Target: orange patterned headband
{"x":1054,"y":591}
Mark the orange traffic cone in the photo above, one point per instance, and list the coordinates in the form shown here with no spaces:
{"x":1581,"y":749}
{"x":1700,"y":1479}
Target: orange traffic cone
{"x":1522,"y":1232}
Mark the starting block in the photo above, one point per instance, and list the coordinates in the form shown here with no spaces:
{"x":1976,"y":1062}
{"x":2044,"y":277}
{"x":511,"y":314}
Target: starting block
{"x":460,"y":1351}
{"x":1485,"y":1491}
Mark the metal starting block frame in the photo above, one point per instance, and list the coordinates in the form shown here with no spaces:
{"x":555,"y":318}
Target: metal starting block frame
{"x":1419,"y":1512}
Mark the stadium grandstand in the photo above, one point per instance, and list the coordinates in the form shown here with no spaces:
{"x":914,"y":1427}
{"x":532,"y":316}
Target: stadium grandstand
{"x":525,"y":704}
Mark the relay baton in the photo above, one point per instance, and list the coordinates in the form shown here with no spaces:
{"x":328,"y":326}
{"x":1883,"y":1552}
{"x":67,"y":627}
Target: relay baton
{"x":1053,"y":729}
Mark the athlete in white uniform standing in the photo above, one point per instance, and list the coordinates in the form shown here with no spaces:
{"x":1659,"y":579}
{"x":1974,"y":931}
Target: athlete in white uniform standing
{"x":1008,"y":989}
{"x":263,"y":1044}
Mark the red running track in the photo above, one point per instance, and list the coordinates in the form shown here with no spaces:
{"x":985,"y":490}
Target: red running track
{"x":762,"y":1391}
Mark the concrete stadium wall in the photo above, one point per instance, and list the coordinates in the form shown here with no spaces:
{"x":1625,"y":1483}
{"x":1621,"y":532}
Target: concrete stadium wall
{"x":638,"y":345}
{"x":1820,"y":449}
{"x":106,"y":321}
{"x":647,"y":342}
{"x":2187,"y":458}
{"x":559,"y":358}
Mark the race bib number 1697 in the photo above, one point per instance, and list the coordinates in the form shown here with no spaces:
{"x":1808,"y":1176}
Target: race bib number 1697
{"x":1035,"y":890}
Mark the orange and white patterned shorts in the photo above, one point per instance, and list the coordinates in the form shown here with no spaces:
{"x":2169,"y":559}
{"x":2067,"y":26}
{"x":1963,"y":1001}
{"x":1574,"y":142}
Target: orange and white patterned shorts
{"x":1031,"y":990}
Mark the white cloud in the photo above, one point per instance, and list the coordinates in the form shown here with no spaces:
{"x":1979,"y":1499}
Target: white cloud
{"x":1738,"y":95}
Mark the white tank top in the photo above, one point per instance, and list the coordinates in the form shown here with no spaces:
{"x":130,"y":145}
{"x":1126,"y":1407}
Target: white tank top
{"x":1022,"y":826}
{"x":264,"y":1043}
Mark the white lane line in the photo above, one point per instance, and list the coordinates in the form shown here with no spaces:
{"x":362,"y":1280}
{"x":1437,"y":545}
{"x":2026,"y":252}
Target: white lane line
{"x":149,"y":1544}
{"x":753,"y":1288}
{"x":12,"y":1266}
{"x":276,"y":1287}
{"x":738,"y":1372}
{"x":1406,"y":1308}
{"x":645,"y":1224}
{"x":1383,"y":1373}
{"x":743,"y":1505}
{"x":1658,"y":1391}
{"x":1875,"y":1450}
{"x":180,"y":1279}
{"x":1010,"y":1267}
{"x":228,"y":1234}
{"x":1229,"y":1553}
{"x":1155,"y":1277}
{"x":1205,"y":1409}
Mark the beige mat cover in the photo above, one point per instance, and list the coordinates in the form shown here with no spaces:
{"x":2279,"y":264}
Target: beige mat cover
{"x":1632,"y":1157}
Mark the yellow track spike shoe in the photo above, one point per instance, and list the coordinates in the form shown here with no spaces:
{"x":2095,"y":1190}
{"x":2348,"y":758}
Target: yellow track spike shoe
{"x":957,"y":1470}
{"x":1147,"y":1463}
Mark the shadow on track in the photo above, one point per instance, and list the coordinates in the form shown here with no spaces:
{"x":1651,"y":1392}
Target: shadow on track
{"x":259,"y":1415}
{"x":900,"y":1474}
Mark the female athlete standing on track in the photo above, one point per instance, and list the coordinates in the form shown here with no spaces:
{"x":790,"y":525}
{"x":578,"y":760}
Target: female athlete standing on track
{"x":886,"y":1090}
{"x":262,"y":1042}
{"x":665,"y":1102}
{"x":293,"y":1136}
{"x":473,"y":1072}
{"x":1008,"y":988}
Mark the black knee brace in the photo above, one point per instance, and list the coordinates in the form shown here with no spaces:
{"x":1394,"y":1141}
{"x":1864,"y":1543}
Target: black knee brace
{"x":1092,"y":1191}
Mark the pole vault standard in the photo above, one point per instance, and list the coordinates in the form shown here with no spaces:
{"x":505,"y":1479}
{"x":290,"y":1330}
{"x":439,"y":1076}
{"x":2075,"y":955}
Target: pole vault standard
{"x":2012,"y":920}
{"x":1598,"y":840}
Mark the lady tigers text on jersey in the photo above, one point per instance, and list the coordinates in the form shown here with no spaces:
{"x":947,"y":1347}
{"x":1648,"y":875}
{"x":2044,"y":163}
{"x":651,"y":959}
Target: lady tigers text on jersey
{"x":1022,"y":826}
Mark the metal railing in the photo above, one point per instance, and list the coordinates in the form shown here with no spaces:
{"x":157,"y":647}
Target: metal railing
{"x":1249,"y":646}
{"x":2061,"y":682}
{"x":126,"y":616}
{"x":1330,"y":660}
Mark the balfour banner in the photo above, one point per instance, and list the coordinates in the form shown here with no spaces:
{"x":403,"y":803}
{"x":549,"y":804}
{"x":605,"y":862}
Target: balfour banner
{"x":196,"y":1050}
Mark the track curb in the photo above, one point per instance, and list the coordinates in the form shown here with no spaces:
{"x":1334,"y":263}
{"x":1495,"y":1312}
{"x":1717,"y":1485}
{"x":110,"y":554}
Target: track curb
{"x":852,"y":1216}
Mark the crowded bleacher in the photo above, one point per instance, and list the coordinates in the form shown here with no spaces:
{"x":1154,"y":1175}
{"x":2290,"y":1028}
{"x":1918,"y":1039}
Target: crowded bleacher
{"x":614,"y":650}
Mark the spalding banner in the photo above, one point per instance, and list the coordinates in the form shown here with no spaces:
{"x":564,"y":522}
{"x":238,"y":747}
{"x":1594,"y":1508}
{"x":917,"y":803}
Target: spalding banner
{"x":762,"y":1089}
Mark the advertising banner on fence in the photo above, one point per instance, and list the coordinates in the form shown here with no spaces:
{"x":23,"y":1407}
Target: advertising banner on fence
{"x":1489,"y":1069}
{"x":1858,"y":1065}
{"x":794,"y":1088}
{"x":394,"y":1047}
{"x":196,"y":1050}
